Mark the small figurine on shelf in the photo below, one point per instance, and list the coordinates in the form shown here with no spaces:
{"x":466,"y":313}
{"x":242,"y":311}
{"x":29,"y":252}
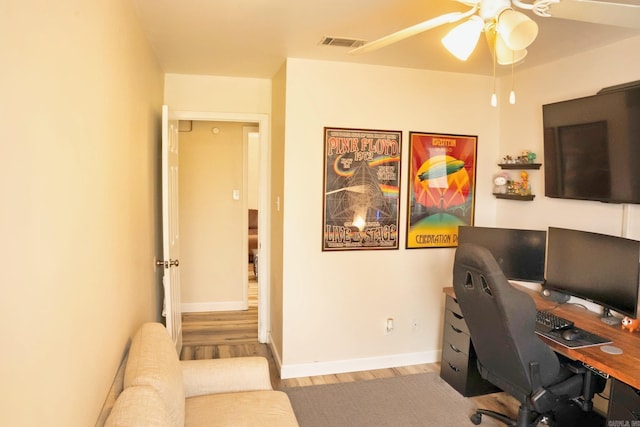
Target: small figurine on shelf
{"x":525,"y":190}
{"x":500,"y":183}
{"x":523,"y":157}
{"x":532,"y":156}
{"x":507,"y":160}
{"x":516,"y":188}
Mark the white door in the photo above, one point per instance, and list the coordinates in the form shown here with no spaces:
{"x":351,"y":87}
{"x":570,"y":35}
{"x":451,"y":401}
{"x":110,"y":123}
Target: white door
{"x":170,"y":232}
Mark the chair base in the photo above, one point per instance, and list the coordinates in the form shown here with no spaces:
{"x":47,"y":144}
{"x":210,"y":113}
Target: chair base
{"x":568,"y":415}
{"x":526,"y":418}
{"x":476,"y":418}
{"x":572,"y":415}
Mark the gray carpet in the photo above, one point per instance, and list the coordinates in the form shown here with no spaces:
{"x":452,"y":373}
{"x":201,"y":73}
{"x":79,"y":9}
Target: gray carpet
{"x":423,"y":400}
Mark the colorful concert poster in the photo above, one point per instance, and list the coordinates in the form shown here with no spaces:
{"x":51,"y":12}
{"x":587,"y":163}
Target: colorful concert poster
{"x":361,"y":189}
{"x":441,"y":188}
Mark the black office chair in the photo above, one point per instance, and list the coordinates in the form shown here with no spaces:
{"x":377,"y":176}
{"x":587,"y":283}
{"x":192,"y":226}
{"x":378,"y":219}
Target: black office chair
{"x":501,"y":321}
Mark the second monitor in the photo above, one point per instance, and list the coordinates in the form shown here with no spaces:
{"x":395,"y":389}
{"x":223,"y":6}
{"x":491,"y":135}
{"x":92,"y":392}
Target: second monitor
{"x":520,"y":253}
{"x":596,"y":267}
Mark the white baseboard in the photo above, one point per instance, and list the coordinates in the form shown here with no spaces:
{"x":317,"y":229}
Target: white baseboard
{"x":196,"y":307}
{"x":355,"y":365}
{"x":276,"y":356}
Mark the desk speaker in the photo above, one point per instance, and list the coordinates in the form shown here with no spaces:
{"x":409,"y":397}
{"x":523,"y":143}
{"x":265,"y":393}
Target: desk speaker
{"x":554,"y":296}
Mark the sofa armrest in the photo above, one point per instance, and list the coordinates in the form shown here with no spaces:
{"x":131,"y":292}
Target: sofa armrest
{"x":235,"y":374}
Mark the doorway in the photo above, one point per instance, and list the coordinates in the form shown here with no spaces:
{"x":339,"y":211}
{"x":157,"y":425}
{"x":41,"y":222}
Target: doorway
{"x":256,"y":128}
{"x":251,"y":140}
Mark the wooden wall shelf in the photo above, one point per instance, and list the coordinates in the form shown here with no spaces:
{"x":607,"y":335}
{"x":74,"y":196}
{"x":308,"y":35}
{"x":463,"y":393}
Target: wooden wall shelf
{"x":519,"y":165}
{"x":528,"y":197}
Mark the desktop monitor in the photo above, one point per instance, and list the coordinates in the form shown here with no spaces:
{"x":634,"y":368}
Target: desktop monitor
{"x":599,"y":268}
{"x":520,"y":253}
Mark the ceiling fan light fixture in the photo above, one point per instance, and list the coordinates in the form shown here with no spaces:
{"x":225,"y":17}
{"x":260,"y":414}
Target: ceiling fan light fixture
{"x":506,"y":56}
{"x":517,"y":29}
{"x":494,"y":100}
{"x":462,"y":39}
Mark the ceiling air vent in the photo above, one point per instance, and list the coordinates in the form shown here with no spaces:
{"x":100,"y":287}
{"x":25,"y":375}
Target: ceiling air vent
{"x":341,"y":42}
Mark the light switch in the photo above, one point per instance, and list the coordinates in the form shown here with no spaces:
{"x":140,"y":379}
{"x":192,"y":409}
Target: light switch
{"x":236,"y":194}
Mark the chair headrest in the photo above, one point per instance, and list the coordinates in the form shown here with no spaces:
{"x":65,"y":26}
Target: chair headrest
{"x":475,"y":260}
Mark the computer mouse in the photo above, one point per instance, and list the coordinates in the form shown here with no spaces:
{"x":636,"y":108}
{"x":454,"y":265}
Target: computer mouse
{"x":571,"y":334}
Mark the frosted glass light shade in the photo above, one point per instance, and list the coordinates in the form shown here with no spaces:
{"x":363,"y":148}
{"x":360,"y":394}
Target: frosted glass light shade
{"x":506,"y":56}
{"x":462,"y":39}
{"x":517,"y":29}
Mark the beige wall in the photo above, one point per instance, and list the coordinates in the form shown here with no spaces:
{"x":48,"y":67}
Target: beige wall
{"x":80,"y":104}
{"x":213,"y":269}
{"x":307,"y":95}
{"x":217,"y":94}
{"x":335,"y":303}
{"x":278,"y":120}
{"x":521,"y":128}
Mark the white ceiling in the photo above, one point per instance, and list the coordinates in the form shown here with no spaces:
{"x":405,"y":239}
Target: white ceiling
{"x":252,"y":38}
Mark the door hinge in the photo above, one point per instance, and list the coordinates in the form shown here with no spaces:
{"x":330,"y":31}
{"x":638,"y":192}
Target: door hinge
{"x":167,"y":264}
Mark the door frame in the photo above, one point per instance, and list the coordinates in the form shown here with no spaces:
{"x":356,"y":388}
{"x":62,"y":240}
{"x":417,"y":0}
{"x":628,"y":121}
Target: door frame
{"x":262,"y":120}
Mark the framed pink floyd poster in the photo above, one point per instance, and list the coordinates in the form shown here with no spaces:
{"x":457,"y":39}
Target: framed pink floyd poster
{"x":361,"y":189}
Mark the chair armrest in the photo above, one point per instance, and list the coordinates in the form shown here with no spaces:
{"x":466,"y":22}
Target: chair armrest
{"x":212,"y":376}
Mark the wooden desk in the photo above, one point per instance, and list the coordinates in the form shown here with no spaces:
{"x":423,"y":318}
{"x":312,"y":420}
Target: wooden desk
{"x":624,"y":367}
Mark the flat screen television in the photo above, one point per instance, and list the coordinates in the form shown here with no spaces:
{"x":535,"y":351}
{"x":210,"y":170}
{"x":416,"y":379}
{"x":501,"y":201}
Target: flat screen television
{"x":520,"y":253}
{"x":592,"y":147}
{"x":599,"y":268}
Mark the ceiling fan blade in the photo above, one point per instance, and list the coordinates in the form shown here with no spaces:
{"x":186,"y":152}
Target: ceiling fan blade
{"x":447,"y":18}
{"x":598,"y":12}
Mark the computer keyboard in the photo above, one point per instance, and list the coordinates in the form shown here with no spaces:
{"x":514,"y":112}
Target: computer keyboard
{"x":547,"y":321}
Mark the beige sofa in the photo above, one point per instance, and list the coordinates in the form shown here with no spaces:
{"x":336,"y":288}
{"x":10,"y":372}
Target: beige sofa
{"x":160,"y":390}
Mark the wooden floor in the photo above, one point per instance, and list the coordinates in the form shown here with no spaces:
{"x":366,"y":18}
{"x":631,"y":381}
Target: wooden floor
{"x":204,"y":331}
{"x":220,"y":335}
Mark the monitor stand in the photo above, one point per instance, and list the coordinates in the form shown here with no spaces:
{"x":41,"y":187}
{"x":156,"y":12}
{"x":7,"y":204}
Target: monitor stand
{"x":609,"y":318}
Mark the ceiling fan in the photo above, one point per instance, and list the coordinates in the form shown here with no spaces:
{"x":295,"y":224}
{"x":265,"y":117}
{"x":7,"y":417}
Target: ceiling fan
{"x":509,"y":31}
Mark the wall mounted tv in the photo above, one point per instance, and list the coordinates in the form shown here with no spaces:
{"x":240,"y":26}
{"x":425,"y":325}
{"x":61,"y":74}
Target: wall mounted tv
{"x":592,"y":147}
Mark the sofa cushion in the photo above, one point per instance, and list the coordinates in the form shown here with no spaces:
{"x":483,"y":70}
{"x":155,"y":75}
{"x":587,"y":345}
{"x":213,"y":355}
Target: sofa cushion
{"x":210,"y":376}
{"x":153,"y":361}
{"x":139,"y":406}
{"x":249,"y":408}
